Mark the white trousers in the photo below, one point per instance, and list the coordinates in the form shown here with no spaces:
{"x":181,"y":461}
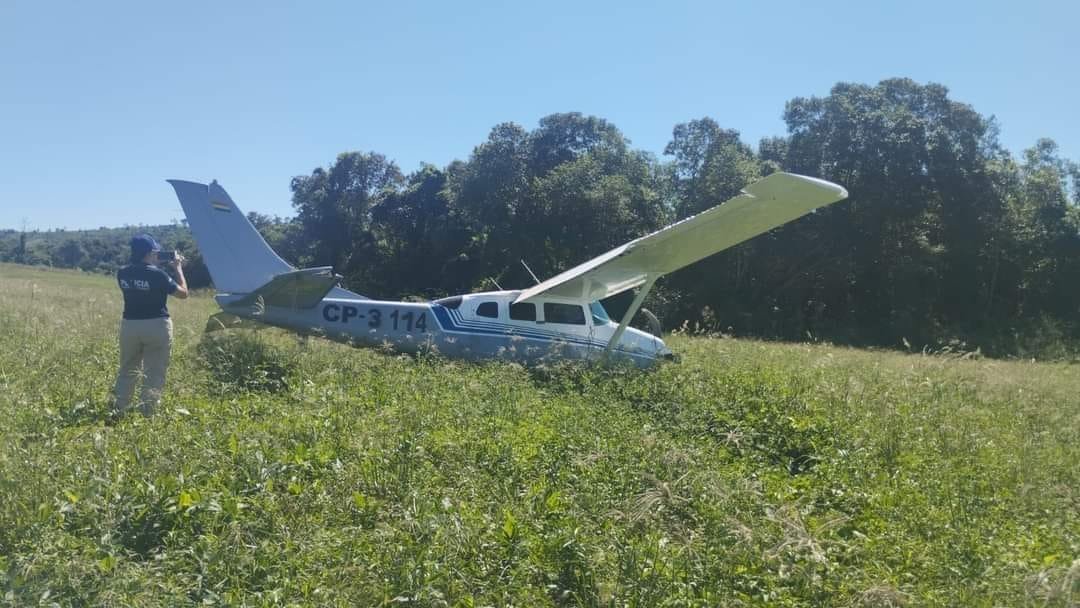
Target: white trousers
{"x":145,"y":346}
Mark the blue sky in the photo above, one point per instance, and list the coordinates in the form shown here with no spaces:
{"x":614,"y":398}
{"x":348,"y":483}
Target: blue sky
{"x":101,"y":102}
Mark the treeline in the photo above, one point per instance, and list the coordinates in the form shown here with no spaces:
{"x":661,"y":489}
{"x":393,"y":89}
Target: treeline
{"x":102,"y":250}
{"x":945,"y":237}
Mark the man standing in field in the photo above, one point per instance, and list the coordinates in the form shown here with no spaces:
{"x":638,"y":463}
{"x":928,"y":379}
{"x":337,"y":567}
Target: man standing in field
{"x":146,"y":329}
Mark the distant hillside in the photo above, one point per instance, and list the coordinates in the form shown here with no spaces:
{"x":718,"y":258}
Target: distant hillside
{"x":99,"y":250}
{"x":102,"y":250}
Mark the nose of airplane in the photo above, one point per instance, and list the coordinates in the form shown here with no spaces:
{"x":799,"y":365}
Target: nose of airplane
{"x":665,"y":353}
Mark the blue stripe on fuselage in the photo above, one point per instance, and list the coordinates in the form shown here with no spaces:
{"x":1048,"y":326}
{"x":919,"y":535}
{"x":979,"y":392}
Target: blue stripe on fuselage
{"x":448,"y":322}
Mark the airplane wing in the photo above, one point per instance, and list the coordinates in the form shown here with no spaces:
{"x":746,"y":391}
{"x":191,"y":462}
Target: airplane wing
{"x":762,"y":206}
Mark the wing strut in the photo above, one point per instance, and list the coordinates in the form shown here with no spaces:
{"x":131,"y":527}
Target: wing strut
{"x":630,"y":312}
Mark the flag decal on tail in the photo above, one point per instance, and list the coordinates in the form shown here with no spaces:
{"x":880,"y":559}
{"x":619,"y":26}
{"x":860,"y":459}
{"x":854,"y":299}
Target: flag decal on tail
{"x":221,"y":206}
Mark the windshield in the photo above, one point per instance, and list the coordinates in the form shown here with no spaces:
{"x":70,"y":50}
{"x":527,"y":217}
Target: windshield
{"x":599,"y":315}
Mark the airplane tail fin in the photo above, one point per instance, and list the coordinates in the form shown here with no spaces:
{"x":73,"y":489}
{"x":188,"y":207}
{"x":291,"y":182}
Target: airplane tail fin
{"x":238,"y":258}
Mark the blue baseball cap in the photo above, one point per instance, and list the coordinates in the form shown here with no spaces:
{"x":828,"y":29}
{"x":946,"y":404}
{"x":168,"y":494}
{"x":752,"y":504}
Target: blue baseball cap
{"x":142,"y":244}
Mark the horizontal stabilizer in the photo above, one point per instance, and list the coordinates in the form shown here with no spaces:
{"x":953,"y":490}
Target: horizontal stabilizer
{"x":298,"y":289}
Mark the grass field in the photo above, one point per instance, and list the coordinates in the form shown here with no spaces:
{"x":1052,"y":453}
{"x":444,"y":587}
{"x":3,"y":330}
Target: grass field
{"x":290,"y":472}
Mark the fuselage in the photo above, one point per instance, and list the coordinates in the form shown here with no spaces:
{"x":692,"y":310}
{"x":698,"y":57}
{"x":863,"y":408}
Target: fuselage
{"x":474,"y":326}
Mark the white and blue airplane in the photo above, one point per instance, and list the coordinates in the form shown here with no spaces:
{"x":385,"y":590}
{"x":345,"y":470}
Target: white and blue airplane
{"x":560,"y":318}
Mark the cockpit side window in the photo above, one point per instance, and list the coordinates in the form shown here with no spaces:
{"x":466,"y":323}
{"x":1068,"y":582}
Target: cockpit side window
{"x":523,"y":311}
{"x":488,"y":309}
{"x":567,"y":314}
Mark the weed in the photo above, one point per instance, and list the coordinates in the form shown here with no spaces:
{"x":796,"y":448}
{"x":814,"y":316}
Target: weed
{"x":286,"y":472}
{"x":244,"y":361}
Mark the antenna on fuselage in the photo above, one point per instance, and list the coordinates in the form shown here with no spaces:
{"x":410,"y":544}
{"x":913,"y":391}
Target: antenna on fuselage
{"x":496,"y":284}
{"x":531,"y":273}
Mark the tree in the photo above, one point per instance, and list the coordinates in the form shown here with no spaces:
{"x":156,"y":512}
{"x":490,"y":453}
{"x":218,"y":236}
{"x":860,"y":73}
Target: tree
{"x":562,"y":138}
{"x":20,"y":250}
{"x":1046,"y":247}
{"x":591,"y":204}
{"x":712,"y":165}
{"x":552,"y":196}
{"x":418,"y":238}
{"x":488,"y":194}
{"x":69,"y":254}
{"x":912,"y":241}
{"x":333,"y":207}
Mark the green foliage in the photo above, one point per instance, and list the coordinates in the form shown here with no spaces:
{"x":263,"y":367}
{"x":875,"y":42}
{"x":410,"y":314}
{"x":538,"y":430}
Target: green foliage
{"x":946,"y":237}
{"x":244,"y":361}
{"x":749,"y":474}
{"x":333,"y":208}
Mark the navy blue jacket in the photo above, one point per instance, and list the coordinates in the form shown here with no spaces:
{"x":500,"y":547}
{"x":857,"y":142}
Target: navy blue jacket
{"x":145,"y":290}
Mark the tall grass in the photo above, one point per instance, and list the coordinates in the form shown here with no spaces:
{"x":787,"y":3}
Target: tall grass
{"x":284,"y":471}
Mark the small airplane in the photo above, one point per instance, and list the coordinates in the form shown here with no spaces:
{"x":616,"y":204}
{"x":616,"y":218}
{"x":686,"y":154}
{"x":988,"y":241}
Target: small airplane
{"x":560,"y":318}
